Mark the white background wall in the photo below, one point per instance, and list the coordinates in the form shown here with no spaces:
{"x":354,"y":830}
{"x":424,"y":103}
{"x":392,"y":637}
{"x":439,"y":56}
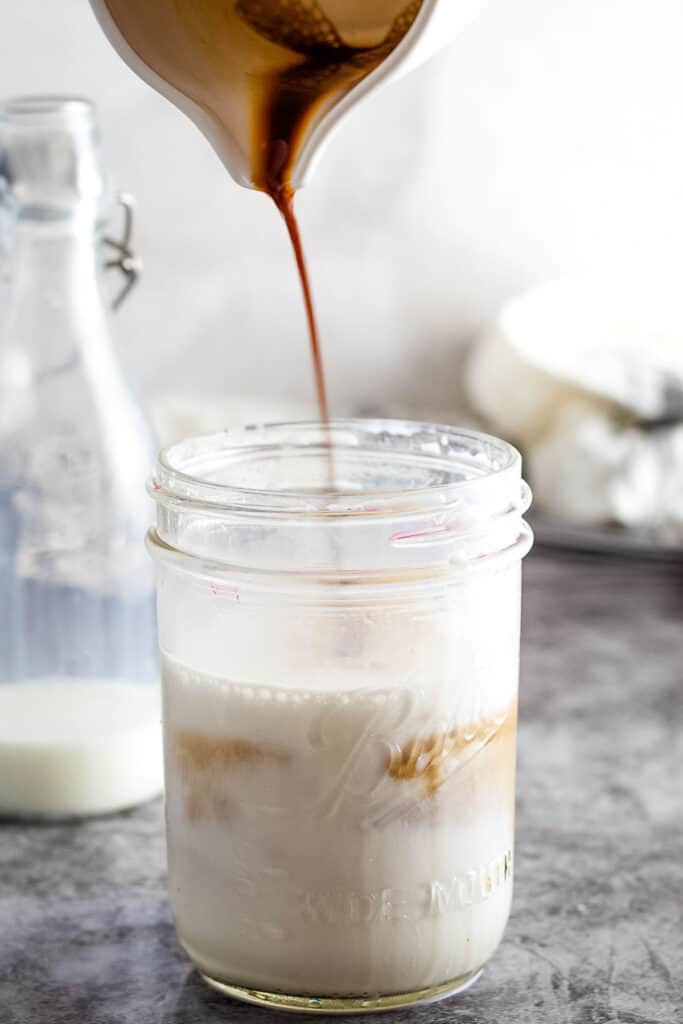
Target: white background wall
{"x":548,"y":138}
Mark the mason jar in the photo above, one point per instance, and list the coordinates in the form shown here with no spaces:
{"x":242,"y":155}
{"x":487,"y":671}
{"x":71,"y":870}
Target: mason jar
{"x":339,"y":611}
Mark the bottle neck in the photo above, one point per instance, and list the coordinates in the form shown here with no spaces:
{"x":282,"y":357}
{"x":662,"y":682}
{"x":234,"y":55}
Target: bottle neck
{"x":56,"y":195}
{"x":54,"y":258}
{"x":55,"y":302}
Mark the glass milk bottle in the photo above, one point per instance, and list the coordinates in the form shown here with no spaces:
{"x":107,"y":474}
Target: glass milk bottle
{"x":340,"y":705}
{"x":79,"y":705}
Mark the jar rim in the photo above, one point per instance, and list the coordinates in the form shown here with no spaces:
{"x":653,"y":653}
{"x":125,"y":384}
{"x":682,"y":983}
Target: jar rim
{"x":47,"y":109}
{"x":197,"y":471}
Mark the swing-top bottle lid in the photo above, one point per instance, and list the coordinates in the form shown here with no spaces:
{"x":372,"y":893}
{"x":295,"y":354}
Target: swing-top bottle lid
{"x":51,"y":162}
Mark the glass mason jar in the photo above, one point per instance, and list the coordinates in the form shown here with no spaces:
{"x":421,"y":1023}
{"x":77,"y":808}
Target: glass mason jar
{"x":340,"y":672}
{"x":80,"y":725}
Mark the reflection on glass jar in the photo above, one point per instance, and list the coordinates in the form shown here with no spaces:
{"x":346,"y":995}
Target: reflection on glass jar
{"x":340,"y":675}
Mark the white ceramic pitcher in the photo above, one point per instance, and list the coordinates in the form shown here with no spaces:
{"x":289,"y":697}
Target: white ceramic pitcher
{"x":437,"y":23}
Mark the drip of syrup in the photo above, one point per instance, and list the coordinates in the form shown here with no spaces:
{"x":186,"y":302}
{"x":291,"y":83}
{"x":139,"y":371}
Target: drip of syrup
{"x":283,"y":197}
{"x":327,"y":67}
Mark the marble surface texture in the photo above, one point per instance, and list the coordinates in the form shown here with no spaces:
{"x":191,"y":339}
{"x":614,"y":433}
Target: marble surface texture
{"x":596,"y":933}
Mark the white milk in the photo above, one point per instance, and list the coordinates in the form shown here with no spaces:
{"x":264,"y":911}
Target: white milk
{"x":339,"y":843}
{"x":78,"y":746}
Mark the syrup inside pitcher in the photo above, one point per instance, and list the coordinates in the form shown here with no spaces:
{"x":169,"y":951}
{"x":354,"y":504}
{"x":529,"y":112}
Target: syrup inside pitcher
{"x":263,"y":74}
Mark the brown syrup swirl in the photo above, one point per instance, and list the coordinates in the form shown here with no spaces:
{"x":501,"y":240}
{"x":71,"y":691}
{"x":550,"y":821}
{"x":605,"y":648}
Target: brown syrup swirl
{"x":202,"y":762}
{"x":433,"y":758}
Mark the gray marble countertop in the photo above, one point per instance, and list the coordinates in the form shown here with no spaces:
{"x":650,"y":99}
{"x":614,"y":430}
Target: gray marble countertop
{"x":596,"y":932}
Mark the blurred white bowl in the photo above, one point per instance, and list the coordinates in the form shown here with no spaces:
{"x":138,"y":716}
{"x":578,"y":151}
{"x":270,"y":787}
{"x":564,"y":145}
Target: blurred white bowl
{"x":586,"y":375}
{"x":618,"y":342}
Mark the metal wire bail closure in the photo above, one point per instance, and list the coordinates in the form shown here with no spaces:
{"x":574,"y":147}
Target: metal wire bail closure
{"x":125,"y":260}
